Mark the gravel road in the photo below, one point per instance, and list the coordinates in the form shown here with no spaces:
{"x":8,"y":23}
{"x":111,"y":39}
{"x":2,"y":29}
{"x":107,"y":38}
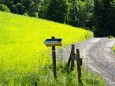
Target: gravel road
{"x":98,"y":56}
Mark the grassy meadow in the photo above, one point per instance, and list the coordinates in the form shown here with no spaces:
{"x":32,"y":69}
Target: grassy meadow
{"x":26,"y":61}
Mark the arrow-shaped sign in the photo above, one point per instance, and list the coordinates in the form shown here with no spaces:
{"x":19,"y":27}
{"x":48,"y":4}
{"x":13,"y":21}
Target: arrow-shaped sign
{"x":53,"y":42}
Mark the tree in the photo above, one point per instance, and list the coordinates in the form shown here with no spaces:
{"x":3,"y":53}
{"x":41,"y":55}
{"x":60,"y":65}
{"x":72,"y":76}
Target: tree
{"x":43,"y":8}
{"x":4,"y":8}
{"x":57,"y":10}
{"x":20,"y":8}
{"x":16,"y":1}
{"x":36,"y":4}
{"x":1,"y":1}
{"x":14,"y":9}
{"x":72,"y":14}
{"x":110,"y":20}
{"x":103,"y":17}
{"x":80,"y":13}
{"x":30,"y":6}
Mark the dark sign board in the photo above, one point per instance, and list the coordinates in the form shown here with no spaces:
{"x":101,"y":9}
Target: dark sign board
{"x":53,"y":42}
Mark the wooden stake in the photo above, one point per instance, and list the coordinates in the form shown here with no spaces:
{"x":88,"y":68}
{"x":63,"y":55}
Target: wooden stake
{"x":69,"y":61}
{"x":79,"y":67}
{"x":72,"y":57}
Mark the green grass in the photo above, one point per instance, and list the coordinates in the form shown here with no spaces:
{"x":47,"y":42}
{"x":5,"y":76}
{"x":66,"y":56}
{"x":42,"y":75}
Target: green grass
{"x":25,"y":60}
{"x":114,"y":48}
{"x":114,"y":45}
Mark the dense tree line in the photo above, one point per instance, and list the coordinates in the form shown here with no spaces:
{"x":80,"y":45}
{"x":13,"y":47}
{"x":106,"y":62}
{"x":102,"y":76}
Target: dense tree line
{"x":104,"y":17}
{"x":24,"y":7}
{"x":98,"y":15}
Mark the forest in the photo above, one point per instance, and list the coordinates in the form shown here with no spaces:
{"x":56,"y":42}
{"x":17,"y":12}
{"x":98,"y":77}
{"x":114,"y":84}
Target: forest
{"x":95,"y":15}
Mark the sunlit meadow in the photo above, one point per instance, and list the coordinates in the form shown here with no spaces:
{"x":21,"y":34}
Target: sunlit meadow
{"x":23,"y":55}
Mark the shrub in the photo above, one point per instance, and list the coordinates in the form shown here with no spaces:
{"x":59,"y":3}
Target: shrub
{"x":25,"y":14}
{"x":4,"y":8}
{"x":20,"y":8}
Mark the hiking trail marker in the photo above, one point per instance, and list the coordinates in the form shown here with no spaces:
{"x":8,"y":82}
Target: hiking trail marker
{"x":52,"y":43}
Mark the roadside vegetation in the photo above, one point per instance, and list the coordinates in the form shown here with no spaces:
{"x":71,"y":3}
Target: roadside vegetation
{"x":26,"y":61}
{"x":112,"y":38}
{"x":114,"y":48}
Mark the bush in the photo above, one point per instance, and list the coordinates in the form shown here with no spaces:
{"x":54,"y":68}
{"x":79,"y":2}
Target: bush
{"x":20,"y":8}
{"x":25,"y":14}
{"x":4,"y":8}
{"x":34,"y":14}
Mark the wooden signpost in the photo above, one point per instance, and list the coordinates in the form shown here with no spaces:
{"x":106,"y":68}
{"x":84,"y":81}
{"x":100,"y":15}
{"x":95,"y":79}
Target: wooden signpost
{"x":58,"y":42}
{"x":52,"y":43}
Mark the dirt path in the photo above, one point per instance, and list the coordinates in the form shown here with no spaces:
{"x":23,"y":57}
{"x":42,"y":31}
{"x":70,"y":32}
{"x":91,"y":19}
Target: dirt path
{"x":97,"y":55}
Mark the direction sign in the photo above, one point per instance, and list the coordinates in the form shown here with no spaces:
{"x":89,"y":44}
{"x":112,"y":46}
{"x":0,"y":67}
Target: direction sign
{"x":53,"y":42}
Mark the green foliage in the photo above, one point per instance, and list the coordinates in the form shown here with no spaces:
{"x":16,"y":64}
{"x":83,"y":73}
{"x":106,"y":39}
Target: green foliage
{"x":1,"y":1}
{"x":73,"y":12}
{"x":80,"y":13}
{"x":14,"y":9}
{"x":44,"y":76}
{"x":43,"y":8}
{"x":114,"y":48}
{"x":55,"y":10}
{"x":104,"y":17}
{"x":20,"y":8}
{"x":8,"y":2}
{"x":4,"y":8}
{"x":25,"y":14}
{"x":31,"y":8}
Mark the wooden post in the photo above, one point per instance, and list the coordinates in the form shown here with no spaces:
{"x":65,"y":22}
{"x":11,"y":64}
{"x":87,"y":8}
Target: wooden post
{"x":54,"y":59}
{"x":79,"y":67}
{"x":72,"y":57}
{"x":52,"y":43}
{"x":69,"y":61}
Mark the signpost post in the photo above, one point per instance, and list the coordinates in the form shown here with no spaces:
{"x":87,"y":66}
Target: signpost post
{"x":53,"y":42}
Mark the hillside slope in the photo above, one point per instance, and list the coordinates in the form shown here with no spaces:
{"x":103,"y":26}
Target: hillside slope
{"x":22,"y":50}
{"x":21,"y":36}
